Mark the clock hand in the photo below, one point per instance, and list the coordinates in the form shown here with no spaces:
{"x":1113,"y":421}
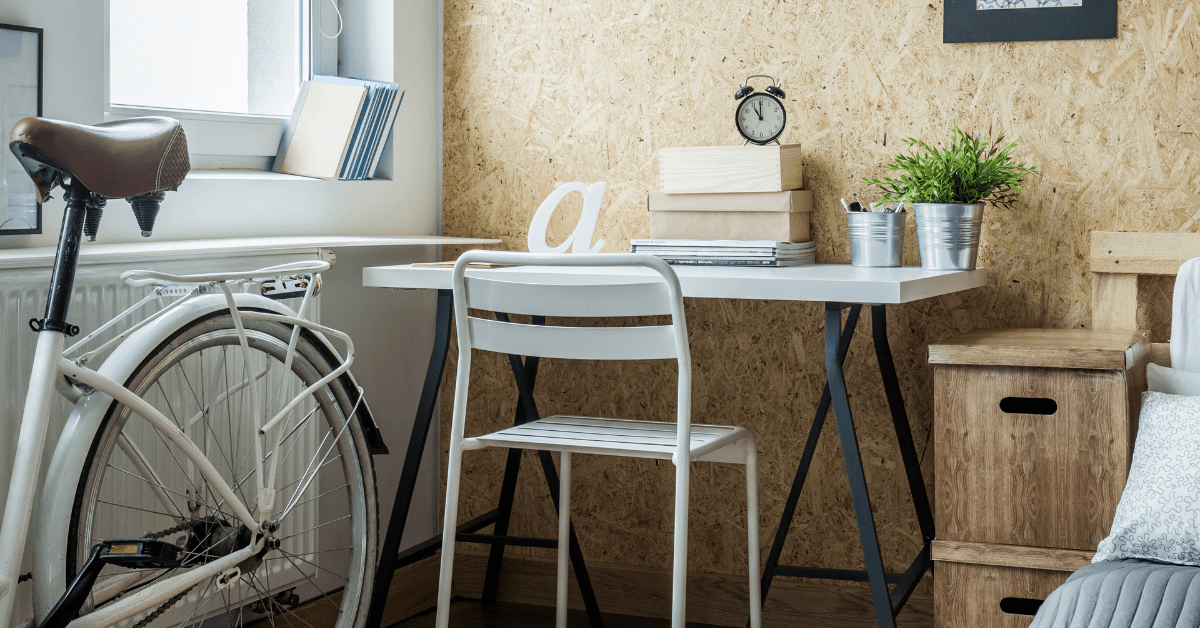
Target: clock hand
{"x":758,"y":110}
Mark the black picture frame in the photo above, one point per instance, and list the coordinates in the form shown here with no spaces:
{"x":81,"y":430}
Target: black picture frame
{"x":964,"y":23}
{"x":17,"y":39}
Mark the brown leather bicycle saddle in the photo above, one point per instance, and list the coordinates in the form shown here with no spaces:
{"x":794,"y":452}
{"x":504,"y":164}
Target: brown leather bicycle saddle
{"x":120,"y":159}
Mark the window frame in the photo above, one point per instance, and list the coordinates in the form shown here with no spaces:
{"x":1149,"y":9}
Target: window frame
{"x":218,"y":140}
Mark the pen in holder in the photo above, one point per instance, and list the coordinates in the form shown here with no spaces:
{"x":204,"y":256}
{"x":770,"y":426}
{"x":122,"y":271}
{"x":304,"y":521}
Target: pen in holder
{"x":876,"y":238}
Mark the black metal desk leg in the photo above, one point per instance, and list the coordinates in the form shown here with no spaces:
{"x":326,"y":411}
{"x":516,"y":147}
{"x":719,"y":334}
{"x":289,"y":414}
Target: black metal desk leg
{"x":508,"y":488}
{"x":854,"y":469}
{"x":837,"y":340}
{"x":810,"y":448}
{"x":525,"y":391}
{"x":908,"y":451}
{"x":412,"y":458}
{"x":581,"y":575}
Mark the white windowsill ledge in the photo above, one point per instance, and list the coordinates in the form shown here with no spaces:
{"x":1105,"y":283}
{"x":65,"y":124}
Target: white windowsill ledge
{"x":232,"y":174}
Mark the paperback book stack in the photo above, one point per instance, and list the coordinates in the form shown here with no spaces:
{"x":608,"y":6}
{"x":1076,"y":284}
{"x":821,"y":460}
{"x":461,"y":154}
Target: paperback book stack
{"x":730,"y":206}
{"x":728,"y":252}
{"x":338,"y":128}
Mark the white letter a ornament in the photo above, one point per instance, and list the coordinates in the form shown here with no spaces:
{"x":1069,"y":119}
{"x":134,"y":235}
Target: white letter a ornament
{"x":581,"y":238}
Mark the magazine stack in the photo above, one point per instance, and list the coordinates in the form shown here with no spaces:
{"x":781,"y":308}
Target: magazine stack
{"x":728,"y":252}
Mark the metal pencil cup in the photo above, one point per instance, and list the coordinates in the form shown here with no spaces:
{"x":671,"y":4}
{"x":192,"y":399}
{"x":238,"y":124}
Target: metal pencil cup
{"x":876,"y":238}
{"x":948,"y":235}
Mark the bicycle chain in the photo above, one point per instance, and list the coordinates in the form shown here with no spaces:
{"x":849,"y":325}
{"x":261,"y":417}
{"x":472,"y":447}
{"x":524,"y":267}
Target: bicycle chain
{"x":164,"y":608}
{"x":181,"y":527}
{"x":186,"y":525}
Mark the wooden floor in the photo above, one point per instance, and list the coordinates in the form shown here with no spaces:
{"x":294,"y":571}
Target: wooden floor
{"x":526,"y":599}
{"x":640,"y":597}
{"x":526,"y":596}
{"x":471,"y":614}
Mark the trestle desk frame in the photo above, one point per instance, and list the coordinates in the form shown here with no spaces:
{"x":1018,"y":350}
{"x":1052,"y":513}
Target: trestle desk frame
{"x":839,"y":287}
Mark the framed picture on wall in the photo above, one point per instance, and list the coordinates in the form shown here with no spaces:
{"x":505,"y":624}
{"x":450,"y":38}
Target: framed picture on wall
{"x":20,"y":97}
{"x":1028,"y":20}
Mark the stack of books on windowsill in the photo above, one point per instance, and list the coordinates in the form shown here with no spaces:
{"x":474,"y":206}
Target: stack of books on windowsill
{"x":338,"y":129}
{"x":728,"y":252}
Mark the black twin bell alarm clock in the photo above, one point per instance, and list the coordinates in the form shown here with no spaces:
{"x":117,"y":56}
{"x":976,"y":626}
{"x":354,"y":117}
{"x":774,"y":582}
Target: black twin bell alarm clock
{"x":760,"y":117}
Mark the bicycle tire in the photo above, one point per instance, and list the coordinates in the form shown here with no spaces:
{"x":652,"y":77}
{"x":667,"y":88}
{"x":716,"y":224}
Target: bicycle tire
{"x":336,"y":578}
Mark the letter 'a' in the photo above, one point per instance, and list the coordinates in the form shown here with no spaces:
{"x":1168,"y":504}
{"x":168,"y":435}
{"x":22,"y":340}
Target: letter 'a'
{"x":581,"y":238}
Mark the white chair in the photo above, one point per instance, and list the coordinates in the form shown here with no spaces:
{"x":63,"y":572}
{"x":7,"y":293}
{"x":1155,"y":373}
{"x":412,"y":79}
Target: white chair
{"x":644,"y":294}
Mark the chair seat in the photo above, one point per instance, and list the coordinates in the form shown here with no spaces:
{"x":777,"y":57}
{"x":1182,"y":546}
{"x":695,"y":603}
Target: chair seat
{"x":619,"y":437}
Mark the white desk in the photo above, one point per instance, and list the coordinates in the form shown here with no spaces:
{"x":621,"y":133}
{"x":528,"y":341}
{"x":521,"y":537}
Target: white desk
{"x":820,"y":283}
{"x":835,"y":285}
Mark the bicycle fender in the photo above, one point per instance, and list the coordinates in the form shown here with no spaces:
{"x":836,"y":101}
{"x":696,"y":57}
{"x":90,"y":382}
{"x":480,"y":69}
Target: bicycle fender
{"x":52,"y":513}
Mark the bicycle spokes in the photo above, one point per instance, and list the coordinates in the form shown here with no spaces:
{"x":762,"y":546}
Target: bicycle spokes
{"x":221,"y":387}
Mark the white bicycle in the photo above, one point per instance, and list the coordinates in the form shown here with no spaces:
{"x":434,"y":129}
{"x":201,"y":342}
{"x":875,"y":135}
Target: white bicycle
{"x":216,"y":468}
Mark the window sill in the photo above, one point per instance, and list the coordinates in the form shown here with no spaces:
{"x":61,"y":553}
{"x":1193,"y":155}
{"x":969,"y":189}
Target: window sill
{"x":243,"y":175}
{"x":263,"y":175}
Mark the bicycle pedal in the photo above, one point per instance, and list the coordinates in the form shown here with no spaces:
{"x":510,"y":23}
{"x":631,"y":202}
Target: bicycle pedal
{"x":128,"y":553}
{"x":141,"y":554}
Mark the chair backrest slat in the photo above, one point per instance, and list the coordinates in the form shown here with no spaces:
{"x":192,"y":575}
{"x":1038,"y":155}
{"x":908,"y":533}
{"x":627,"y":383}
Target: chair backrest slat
{"x":607,"y":290}
{"x":577,"y":343}
{"x":646,"y":297}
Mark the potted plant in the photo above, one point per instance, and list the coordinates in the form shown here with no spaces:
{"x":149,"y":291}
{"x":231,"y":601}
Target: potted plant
{"x":948,"y":189}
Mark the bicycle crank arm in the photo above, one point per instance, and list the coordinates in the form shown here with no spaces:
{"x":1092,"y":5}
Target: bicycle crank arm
{"x":129,"y":553}
{"x":151,"y":596}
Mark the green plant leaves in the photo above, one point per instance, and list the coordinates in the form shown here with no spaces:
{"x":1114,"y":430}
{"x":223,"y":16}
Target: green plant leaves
{"x":968,"y":170}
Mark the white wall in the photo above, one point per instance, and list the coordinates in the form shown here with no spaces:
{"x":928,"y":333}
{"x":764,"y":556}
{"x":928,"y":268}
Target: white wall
{"x":398,"y":40}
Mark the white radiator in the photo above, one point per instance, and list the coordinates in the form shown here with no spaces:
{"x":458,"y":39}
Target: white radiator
{"x":98,"y":296}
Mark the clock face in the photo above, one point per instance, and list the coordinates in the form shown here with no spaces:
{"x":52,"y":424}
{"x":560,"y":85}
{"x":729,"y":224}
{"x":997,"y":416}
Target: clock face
{"x":760,"y":118}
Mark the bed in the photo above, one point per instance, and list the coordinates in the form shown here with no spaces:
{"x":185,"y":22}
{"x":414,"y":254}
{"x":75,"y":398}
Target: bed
{"x":1131,"y":593}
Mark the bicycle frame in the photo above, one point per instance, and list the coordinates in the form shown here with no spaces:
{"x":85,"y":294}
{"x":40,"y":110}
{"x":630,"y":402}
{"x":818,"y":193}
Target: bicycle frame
{"x":201,"y":294}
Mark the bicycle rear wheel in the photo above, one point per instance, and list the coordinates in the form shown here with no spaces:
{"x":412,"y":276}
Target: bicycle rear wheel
{"x":138,"y":484}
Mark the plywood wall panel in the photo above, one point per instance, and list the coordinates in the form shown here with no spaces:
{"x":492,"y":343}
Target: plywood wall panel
{"x":541,"y":92}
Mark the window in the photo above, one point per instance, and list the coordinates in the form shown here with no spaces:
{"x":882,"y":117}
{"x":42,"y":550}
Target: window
{"x":228,"y":69}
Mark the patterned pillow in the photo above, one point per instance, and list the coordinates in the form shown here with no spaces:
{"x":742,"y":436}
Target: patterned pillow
{"x":1158,"y":517}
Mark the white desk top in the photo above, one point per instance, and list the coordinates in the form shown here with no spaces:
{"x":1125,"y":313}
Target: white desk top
{"x":821,"y":283}
{"x":202,"y":249}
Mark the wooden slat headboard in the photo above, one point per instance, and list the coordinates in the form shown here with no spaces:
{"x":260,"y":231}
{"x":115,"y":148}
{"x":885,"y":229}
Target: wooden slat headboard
{"x":1117,"y":260}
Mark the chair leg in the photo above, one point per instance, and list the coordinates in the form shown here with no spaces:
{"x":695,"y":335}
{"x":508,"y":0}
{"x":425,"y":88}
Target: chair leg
{"x":564,"y":535}
{"x":679,"y":566}
{"x":752,"y":524}
{"x":449,"y":532}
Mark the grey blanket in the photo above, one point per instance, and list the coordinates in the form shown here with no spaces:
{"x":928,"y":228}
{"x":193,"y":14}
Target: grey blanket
{"x":1124,"y":594}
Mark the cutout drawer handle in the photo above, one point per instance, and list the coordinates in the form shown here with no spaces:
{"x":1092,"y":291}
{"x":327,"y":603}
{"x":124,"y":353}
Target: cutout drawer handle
{"x":1020,"y":606}
{"x":1028,"y":405}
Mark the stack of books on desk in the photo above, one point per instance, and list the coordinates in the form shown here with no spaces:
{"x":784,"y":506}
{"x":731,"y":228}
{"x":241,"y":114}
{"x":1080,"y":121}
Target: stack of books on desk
{"x":730,"y":206}
{"x":728,"y":252}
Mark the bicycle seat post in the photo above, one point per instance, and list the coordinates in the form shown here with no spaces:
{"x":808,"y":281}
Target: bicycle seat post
{"x":62,"y":278}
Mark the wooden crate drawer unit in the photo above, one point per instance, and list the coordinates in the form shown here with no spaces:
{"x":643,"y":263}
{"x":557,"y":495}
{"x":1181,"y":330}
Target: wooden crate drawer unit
{"x":1004,"y":591}
{"x":1029,"y":456}
{"x":1032,"y":435}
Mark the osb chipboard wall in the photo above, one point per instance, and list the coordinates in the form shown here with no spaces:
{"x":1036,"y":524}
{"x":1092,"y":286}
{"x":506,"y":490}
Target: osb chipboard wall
{"x":544,"y":92}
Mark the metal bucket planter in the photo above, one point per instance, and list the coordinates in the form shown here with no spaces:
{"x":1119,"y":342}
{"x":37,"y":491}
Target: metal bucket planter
{"x":876,"y":238}
{"x":948,"y":235}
